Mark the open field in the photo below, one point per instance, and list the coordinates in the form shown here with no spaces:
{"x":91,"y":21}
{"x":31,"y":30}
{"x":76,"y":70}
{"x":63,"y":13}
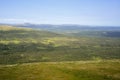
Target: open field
{"x":24,"y":45}
{"x":74,"y":70}
{"x":27,"y":54}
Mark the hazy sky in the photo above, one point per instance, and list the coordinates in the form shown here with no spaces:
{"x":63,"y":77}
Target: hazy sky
{"x":84,"y":12}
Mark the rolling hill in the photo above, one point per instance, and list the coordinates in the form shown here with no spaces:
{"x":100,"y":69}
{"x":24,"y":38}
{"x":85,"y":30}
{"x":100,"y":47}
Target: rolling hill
{"x":76,"y":70}
{"x":23,"y":45}
{"x":77,"y":30}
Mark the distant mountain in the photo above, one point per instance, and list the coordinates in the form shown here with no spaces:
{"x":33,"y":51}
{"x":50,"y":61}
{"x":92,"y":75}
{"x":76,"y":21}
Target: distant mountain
{"x":67,"y":27}
{"x":75,"y":30}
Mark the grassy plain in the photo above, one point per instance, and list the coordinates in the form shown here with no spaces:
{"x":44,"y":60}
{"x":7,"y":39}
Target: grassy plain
{"x":22,"y":45}
{"x":74,"y":70}
{"x":27,"y":54}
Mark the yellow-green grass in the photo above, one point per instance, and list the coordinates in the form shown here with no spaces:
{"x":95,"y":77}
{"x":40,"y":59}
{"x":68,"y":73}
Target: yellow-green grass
{"x":59,"y":41}
{"x":79,"y":70}
{"x":18,"y":41}
{"x":8,"y":28}
{"x":55,"y":41}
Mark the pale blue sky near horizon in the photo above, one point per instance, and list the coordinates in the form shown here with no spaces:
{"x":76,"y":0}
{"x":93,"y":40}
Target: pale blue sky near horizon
{"x":83,"y":12}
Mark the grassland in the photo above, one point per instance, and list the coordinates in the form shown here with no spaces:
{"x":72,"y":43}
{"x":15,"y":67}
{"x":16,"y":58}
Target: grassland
{"x":74,"y":70}
{"x":27,"y":54}
{"x":22,"y":45}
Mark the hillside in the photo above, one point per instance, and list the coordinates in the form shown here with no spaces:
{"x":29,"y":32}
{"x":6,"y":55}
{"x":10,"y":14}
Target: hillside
{"x":79,"y":70}
{"x":77,"y":30}
{"x":112,"y":33}
{"x":23,"y":45}
{"x":68,"y":27}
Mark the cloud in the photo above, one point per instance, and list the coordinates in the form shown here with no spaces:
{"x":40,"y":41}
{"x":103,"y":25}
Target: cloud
{"x":13,"y":20}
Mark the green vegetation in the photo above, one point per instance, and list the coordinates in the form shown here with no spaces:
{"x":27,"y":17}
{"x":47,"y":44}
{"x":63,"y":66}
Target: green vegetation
{"x":57,"y":56}
{"x":95,"y":33}
{"x":79,"y":70}
{"x":21,"y":45}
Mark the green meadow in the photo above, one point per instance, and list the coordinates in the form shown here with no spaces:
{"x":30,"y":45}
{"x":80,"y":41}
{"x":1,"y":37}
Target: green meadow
{"x":25,"y":45}
{"x":28,"y":54}
{"x":74,"y":70}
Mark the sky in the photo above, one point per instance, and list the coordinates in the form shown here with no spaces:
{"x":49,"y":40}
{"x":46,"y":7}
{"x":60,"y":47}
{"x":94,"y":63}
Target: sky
{"x":83,"y":12}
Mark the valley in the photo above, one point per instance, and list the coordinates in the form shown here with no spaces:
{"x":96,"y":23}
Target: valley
{"x":31,"y":54}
